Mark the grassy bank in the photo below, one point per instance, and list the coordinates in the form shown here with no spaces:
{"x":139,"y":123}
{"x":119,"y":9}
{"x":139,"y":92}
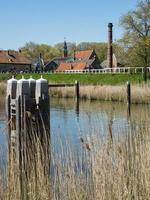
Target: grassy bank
{"x":84,"y":79}
{"x":90,"y":79}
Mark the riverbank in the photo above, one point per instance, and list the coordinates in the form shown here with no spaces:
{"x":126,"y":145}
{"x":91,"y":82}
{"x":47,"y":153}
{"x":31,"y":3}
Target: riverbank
{"x":84,"y":79}
{"x":139,"y":94}
{"x":89,"y":79}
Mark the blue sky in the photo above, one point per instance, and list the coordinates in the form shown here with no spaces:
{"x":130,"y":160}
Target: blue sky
{"x":49,"y":21}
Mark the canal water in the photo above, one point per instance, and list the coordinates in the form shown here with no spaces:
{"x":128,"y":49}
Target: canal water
{"x":76,"y":123}
{"x":91,"y":141}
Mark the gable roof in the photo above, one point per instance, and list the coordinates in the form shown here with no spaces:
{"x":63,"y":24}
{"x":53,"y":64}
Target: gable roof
{"x":83,"y":54}
{"x":60,"y":60}
{"x":72,"y":66}
{"x":13,"y":57}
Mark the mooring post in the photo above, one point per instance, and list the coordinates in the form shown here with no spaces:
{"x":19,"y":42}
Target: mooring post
{"x":27,"y":107}
{"x":129,"y":97}
{"x":77,"y":90}
{"x":128,"y":93}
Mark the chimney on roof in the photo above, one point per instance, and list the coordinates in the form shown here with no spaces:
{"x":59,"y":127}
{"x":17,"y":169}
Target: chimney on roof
{"x":65,"y":49}
{"x":110,"y":48}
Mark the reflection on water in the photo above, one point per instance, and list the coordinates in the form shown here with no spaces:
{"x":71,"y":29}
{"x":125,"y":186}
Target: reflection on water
{"x":75,"y":120}
{"x":81,"y":119}
{"x":76,"y":156}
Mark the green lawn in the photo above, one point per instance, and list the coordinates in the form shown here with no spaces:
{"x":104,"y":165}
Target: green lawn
{"x":85,"y":79}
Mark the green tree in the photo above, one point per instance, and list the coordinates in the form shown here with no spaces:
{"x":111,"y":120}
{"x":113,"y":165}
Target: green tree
{"x":136,"y":40}
{"x":33,"y":51}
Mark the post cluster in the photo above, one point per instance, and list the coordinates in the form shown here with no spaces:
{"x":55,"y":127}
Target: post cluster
{"x":27,"y":108}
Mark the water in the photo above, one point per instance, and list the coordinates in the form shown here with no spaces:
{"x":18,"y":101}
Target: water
{"x":75,"y":123}
{"x":74,"y":128}
{"x":70,"y":120}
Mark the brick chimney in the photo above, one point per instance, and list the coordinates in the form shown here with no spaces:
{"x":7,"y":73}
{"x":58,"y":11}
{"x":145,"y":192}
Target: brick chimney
{"x":110,"y":48}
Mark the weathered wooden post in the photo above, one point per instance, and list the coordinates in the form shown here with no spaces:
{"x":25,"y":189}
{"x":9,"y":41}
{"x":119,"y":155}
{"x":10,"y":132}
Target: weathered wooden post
{"x":129,"y":97}
{"x":43,"y":117}
{"x":10,"y":112}
{"x":23,"y":105}
{"x":77,"y":90}
{"x":27,"y":107}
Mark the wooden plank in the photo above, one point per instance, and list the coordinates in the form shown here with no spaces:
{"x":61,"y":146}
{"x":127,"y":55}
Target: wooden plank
{"x":60,"y":85}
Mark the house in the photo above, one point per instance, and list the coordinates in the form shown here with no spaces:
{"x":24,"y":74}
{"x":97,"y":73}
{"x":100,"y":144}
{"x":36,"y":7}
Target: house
{"x":82,"y":60}
{"x":79,"y":61}
{"x":13,"y":61}
{"x":53,"y":64}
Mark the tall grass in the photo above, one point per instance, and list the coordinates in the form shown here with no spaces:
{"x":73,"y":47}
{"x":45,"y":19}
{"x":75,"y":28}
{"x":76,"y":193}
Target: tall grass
{"x":2,"y":92}
{"x":100,"y":167}
{"x":107,"y":168}
{"x":139,"y":94}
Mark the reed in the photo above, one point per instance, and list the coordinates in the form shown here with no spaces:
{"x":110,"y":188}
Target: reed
{"x":108,"y":167}
{"x":2,"y":92}
{"x":139,"y":94}
{"x":100,"y":167}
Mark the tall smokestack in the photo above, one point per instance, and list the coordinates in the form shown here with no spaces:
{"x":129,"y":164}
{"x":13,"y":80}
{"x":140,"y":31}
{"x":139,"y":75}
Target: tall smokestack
{"x":110,"y":48}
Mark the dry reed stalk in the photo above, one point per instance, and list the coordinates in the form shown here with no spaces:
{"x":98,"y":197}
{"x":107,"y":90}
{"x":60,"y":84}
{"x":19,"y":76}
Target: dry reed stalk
{"x":101,"y":169}
{"x":2,"y":92}
{"x":117,"y":169}
{"x":28,"y":170}
{"x":140,"y":94}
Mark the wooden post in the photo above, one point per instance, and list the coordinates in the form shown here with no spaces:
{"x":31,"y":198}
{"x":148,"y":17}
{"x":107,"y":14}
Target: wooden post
{"x":128,"y":93}
{"x":28,"y":135}
{"x":77,"y":91}
{"x":128,"y":98}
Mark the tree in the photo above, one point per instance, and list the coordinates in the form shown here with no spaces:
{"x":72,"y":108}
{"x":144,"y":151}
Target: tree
{"x":33,"y":51}
{"x":136,"y":40}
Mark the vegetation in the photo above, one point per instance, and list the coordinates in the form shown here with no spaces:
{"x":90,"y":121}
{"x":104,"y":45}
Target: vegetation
{"x":106,"y":93}
{"x":89,"y":79}
{"x":136,"y":39}
{"x":114,"y":165}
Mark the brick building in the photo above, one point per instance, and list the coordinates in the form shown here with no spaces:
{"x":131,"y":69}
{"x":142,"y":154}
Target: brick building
{"x":13,"y":61}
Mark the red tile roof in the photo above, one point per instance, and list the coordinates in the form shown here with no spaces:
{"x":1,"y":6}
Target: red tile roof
{"x":72,"y":66}
{"x":13,"y":57}
{"x":83,"y":54}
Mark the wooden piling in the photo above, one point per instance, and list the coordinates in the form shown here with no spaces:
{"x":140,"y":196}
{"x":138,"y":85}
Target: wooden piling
{"x":128,"y":99}
{"x":28,"y":138}
{"x":128,"y":93}
{"x":77,"y":90}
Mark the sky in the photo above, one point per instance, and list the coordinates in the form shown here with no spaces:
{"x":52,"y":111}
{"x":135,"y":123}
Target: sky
{"x":50,"y":21}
